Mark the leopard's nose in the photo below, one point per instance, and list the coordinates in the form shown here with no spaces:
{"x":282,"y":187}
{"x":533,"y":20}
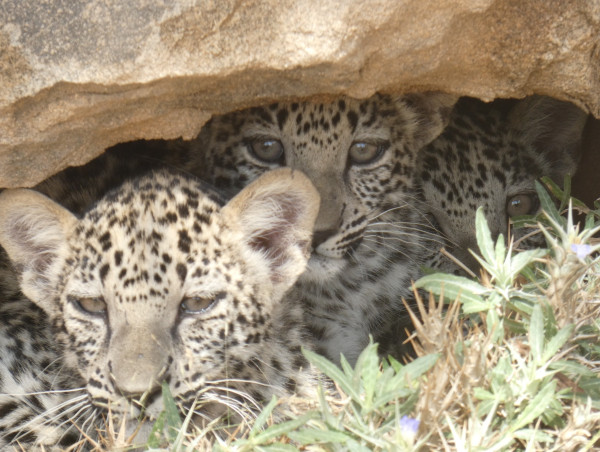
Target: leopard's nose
{"x":321,"y":236}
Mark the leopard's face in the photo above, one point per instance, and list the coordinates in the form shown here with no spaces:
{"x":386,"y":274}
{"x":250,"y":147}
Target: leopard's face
{"x":490,"y":155}
{"x":153,"y":291}
{"x":360,"y":154}
{"x":159,"y":282}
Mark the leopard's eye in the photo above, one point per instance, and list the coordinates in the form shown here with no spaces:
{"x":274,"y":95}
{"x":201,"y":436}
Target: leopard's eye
{"x":521,"y":204}
{"x":363,"y":152}
{"x":197,"y":305}
{"x":267,"y":149}
{"x":92,"y":305}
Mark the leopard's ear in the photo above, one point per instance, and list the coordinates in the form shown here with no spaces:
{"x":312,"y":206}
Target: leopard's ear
{"x":34,"y":231}
{"x":431,"y":114}
{"x":276,"y":214}
{"x":554,"y":129}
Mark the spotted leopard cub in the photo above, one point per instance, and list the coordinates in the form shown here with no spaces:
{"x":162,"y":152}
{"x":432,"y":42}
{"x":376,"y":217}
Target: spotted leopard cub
{"x":371,"y":232}
{"x":490,"y":155}
{"x":158,"y":282}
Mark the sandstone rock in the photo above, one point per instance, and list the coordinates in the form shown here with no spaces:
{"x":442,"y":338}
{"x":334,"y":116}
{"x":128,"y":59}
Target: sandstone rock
{"x":77,"y":77}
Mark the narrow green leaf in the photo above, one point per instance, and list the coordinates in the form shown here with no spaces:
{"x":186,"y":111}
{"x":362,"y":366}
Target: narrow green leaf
{"x":590,"y":220}
{"x":283,"y":428}
{"x":156,"y":434}
{"x":325,"y":410}
{"x":181,"y":434}
{"x":528,"y":434}
{"x":396,"y":365}
{"x":564,"y":195}
{"x":309,"y":437}
{"x":523,"y":221}
{"x":557,"y":341}
{"x":484,"y":236}
{"x":495,"y":325}
{"x":172,"y":417}
{"x":333,"y":372}
{"x":491,"y":268}
{"x":501,"y":444}
{"x":528,"y":272}
{"x":454,"y":287}
{"x":418,"y":367}
{"x":400,"y":393}
{"x":522,"y":306}
{"x":536,"y":334}
{"x":263,"y":417}
{"x":368,"y":366}
{"x":355,"y":446}
{"x":514,"y":326}
{"x":553,"y":415}
{"x":547,"y":204}
{"x":279,"y":447}
{"x":482,"y":394}
{"x":555,"y":190}
{"x":346,"y":367}
{"x":572,"y":369}
{"x":591,"y":442}
{"x":591,"y":387}
{"x":536,"y":407}
{"x":500,"y":251}
{"x":486,"y":406}
{"x":524,"y":258}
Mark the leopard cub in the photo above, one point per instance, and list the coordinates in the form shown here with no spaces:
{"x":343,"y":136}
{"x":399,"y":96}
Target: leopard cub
{"x":157,"y":282}
{"x":490,"y":155}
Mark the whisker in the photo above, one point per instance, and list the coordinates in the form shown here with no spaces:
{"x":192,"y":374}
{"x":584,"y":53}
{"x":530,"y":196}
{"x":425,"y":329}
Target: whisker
{"x":53,"y":391}
{"x":73,"y":420}
{"x":399,"y":227}
{"x":239,"y":408}
{"x":408,"y":242}
{"x":428,"y":237}
{"x":426,"y":226}
{"x":52,"y":415}
{"x":388,"y":245}
{"x":93,"y":415}
{"x":388,"y":211}
{"x":382,"y":255}
{"x":242,"y":394}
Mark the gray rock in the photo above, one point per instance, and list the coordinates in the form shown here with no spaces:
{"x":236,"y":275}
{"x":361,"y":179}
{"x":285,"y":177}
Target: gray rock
{"x":79,"y":76}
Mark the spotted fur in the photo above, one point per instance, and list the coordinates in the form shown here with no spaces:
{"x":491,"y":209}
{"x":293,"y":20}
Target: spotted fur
{"x":156,"y":282}
{"x":490,"y":155}
{"x":371,"y":236}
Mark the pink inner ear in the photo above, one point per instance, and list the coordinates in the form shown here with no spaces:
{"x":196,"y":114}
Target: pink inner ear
{"x":270,"y":242}
{"x":275,"y":240}
{"x":39,"y":256}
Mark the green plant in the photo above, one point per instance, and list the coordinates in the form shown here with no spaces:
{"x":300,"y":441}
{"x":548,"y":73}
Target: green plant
{"x":505,"y":362}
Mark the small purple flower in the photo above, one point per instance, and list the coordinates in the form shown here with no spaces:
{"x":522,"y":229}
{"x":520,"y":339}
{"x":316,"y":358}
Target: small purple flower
{"x":409,"y":426}
{"x":582,"y":250}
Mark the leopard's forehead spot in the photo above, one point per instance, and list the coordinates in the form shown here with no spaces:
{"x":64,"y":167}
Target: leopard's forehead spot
{"x":477,"y":157}
{"x":318,"y":138}
{"x":161,"y":283}
{"x":141,"y":244}
{"x":479,"y":160}
{"x":307,"y":130}
{"x":307,"y":121}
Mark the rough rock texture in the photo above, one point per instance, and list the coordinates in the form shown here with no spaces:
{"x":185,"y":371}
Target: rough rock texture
{"x":78,"y":76}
